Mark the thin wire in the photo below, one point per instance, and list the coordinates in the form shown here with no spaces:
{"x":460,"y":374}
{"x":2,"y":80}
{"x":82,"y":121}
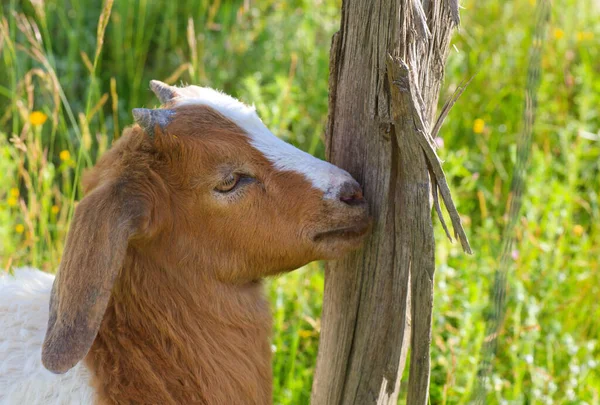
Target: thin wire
{"x":516,"y":192}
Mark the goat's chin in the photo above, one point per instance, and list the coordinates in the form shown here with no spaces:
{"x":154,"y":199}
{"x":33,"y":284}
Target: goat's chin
{"x":339,"y":241}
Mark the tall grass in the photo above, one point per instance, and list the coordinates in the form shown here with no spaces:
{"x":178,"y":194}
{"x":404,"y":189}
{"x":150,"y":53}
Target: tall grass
{"x":71,"y":71}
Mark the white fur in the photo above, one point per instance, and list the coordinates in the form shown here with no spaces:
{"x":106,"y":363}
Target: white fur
{"x":322,"y":175}
{"x":24,"y":300}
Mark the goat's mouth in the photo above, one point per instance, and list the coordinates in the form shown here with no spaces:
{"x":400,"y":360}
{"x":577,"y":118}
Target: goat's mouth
{"x":344,"y":233}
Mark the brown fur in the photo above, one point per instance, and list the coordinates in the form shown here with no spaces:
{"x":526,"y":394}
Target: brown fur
{"x":163,"y":275}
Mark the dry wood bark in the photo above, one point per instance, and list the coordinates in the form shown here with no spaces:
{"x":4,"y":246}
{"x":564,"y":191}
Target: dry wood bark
{"x":387,"y":66}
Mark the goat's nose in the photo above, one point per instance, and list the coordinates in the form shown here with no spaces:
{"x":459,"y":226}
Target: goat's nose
{"x":351,"y":193}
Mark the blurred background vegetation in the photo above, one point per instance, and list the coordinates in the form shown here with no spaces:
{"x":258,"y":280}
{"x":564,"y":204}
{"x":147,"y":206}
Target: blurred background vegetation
{"x":72,"y":70}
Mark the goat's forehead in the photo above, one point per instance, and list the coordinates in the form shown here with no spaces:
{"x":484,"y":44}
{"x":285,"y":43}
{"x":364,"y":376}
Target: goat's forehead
{"x":282,"y":155}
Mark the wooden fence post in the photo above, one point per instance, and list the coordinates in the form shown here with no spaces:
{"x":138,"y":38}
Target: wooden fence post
{"x":387,"y":66}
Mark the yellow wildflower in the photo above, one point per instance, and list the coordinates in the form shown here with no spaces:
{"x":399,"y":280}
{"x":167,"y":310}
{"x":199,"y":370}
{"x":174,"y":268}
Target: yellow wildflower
{"x":19,"y":228}
{"x":11,"y":201}
{"x":304,"y":333}
{"x":478,"y":126}
{"x":54,"y":210}
{"x":64,"y":155}
{"x":578,"y":230}
{"x":37,"y":118}
{"x":14,"y":192}
{"x":558,"y":33}
{"x":585,"y":36}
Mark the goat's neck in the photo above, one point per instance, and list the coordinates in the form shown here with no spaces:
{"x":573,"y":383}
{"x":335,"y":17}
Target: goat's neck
{"x":170,"y":336}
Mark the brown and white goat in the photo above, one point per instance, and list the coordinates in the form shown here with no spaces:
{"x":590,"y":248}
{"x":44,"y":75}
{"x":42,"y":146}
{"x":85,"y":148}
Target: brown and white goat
{"x":159,"y":290}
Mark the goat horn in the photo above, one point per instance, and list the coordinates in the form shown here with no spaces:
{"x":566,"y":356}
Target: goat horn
{"x":163,"y":91}
{"x":148,"y":119}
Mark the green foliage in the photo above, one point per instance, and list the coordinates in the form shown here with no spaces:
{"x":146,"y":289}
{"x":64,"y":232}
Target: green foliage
{"x":58,"y":67}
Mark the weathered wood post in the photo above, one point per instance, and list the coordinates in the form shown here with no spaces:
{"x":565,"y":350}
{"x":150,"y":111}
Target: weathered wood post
{"x":387,"y":66}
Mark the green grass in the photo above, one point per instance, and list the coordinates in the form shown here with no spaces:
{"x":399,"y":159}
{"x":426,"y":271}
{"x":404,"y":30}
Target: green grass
{"x":274,"y":54}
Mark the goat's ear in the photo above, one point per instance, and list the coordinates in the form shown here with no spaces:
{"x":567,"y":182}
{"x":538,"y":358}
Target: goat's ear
{"x":103,"y":224}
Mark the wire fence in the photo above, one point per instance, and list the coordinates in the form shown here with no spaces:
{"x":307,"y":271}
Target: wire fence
{"x":498,"y":292}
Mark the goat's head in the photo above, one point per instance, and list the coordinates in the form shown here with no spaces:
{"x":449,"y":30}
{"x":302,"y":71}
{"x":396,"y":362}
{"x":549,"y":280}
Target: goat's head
{"x":199,"y":180}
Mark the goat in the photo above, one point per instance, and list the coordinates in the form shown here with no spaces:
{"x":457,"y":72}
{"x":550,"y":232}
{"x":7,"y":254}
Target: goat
{"x":159,"y":290}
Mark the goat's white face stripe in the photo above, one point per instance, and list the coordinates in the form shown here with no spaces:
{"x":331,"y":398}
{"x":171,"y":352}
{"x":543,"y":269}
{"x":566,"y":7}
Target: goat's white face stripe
{"x":322,"y":175}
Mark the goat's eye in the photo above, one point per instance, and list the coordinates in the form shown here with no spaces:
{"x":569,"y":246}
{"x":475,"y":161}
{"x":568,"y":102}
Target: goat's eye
{"x":229,"y":183}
